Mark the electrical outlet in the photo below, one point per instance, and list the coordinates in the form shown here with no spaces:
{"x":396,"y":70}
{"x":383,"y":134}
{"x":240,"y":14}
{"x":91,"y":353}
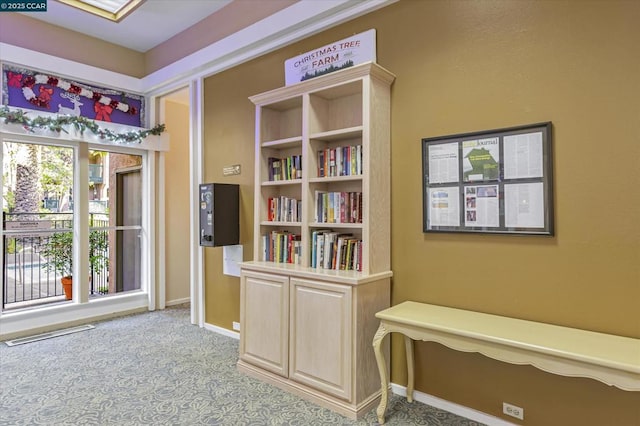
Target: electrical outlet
{"x":513,"y":411}
{"x":236,"y":326}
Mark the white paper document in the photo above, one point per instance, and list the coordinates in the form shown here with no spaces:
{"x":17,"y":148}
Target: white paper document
{"x":444,"y":207}
{"x":524,"y":205}
{"x":481,"y":206}
{"x":481,"y":159}
{"x":231,"y":258}
{"x":443,"y":163}
{"x":523,"y":156}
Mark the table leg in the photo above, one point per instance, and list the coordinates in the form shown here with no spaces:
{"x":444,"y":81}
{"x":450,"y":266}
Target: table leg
{"x":408,"y":345}
{"x":382,"y":368}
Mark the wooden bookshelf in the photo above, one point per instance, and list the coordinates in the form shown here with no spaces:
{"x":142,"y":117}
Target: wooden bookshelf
{"x":309,"y":329}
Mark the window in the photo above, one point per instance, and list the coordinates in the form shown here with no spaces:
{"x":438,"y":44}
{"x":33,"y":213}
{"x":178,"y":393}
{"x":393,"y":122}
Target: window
{"x":115,"y":208}
{"x":43,"y":221}
{"x":37,"y":207}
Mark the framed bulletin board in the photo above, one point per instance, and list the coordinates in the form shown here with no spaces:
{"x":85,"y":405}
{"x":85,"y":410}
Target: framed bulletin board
{"x":494,"y":181}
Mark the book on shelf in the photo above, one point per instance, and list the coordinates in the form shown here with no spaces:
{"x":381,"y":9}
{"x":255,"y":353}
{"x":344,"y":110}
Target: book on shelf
{"x":318,"y":206}
{"x":286,"y":168}
{"x":273,"y":168}
{"x":348,"y":253}
{"x":282,"y":247}
{"x":298,"y":166}
{"x":297,"y":250}
{"x":320,"y":251}
{"x":332,"y":162}
{"x":335,"y":251}
{"x":353,"y":152}
{"x":338,"y":207}
{"x":321,"y":168}
{"x":284,"y":209}
{"x":314,"y":249}
{"x":340,"y":161}
{"x":330,"y":206}
{"x":329,"y":240}
{"x":341,"y":251}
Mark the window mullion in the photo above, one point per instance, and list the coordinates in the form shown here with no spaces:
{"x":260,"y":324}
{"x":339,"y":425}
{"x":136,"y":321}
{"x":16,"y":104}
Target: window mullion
{"x":81,"y":225}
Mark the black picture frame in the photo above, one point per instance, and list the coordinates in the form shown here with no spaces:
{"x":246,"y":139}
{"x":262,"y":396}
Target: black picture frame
{"x":494,"y":181}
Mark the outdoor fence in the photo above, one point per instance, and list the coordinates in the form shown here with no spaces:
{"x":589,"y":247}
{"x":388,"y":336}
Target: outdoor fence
{"x":26,"y":277}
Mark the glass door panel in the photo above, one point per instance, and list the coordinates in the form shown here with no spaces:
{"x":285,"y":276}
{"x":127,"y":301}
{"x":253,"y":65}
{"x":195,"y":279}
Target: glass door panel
{"x":37,"y":207}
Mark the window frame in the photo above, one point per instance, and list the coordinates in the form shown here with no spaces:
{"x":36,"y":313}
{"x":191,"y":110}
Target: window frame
{"x":81,"y":308}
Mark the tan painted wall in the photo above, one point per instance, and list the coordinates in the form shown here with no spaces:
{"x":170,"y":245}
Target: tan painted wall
{"x":33,"y":34}
{"x":227,"y":142}
{"x":466,"y":66}
{"x":177,"y":255}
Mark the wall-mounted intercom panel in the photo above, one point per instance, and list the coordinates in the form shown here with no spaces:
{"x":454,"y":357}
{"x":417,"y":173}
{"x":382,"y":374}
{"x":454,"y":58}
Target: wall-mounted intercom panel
{"x":219,"y":214}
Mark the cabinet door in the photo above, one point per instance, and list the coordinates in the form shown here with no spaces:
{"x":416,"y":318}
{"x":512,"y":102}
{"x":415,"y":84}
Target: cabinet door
{"x":264,"y":321}
{"x":321,"y":337}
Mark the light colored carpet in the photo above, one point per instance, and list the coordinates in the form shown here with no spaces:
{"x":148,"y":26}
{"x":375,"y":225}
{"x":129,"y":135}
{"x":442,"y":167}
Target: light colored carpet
{"x":157,"y":369}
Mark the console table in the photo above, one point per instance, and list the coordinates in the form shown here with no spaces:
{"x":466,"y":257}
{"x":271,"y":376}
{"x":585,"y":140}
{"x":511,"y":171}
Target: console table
{"x":613,"y":360}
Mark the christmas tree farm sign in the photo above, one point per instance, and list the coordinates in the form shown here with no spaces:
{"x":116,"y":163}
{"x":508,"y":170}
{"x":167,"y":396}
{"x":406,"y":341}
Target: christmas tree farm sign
{"x":345,"y":53}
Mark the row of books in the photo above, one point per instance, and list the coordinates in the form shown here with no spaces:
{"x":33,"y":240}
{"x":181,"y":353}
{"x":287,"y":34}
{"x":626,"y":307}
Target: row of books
{"x":282,"y":247}
{"x":286,"y":168}
{"x":284,"y":209}
{"x":332,"y":250}
{"x":338,"y":207}
{"x":340,"y":161}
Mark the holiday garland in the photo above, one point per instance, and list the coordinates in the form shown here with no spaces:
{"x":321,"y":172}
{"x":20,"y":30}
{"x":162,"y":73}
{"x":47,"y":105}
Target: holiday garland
{"x":56,"y":124}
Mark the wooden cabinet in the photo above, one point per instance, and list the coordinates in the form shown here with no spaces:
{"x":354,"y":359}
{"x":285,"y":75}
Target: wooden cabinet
{"x":321,"y":267}
{"x":312,"y":335}
{"x":321,"y":336}
{"x":265,"y":318}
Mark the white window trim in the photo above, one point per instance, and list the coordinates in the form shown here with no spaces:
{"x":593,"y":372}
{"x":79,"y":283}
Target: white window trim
{"x":82,"y":309}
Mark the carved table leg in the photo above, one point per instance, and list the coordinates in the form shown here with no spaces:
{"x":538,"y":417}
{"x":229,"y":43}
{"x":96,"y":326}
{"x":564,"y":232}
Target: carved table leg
{"x":408,"y":345}
{"x":382,"y":368}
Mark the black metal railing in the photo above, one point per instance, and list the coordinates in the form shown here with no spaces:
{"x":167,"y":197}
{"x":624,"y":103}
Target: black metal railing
{"x":28,"y":276}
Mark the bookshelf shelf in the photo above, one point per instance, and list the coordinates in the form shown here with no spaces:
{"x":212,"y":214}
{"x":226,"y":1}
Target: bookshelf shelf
{"x":281,"y":182}
{"x":283,"y":143}
{"x":339,"y":134}
{"x":330,"y":179}
{"x":335,"y":130}
{"x":279,"y":223}
{"x":323,"y":225}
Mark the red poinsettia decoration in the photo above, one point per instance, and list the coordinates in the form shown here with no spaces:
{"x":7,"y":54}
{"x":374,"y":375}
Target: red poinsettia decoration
{"x":14,"y":79}
{"x":29,"y":81}
{"x":45,"y":96}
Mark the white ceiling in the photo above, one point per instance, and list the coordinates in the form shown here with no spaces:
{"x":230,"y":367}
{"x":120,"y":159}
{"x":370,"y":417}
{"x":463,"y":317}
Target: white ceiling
{"x":154,"y":22}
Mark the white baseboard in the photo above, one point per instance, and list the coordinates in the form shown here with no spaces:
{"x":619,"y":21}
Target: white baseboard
{"x":223,"y":331}
{"x":451,"y":407}
{"x":178,"y":301}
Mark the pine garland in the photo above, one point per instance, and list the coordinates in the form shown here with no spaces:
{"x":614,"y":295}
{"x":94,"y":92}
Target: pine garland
{"x":57,"y":124}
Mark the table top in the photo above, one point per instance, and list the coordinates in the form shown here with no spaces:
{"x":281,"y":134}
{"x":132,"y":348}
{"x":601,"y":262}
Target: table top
{"x":607,"y":350}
